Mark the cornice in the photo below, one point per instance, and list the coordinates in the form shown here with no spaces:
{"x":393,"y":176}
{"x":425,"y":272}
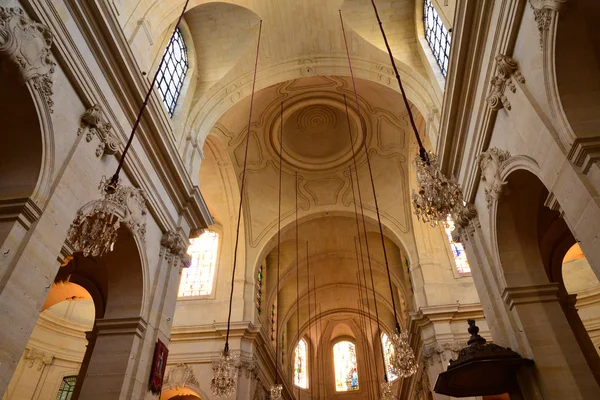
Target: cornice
{"x":108,"y":45}
{"x":244,"y":330}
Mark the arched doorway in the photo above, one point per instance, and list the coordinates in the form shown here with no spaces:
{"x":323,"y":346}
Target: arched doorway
{"x":532,"y":241}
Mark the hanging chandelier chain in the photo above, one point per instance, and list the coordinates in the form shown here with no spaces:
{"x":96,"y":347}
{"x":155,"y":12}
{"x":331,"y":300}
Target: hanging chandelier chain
{"x":242,"y":190}
{"x":371,"y":179}
{"x":115,"y":178}
{"x":422,"y":151}
{"x":277,"y":333}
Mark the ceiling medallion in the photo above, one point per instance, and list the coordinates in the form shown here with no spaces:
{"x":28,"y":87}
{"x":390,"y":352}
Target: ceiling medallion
{"x":437,"y":196}
{"x":223,"y":383}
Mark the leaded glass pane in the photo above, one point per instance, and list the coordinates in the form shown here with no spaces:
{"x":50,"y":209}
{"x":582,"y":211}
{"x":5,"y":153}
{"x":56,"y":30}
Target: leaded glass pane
{"x":197,"y":280}
{"x":301,"y":365}
{"x":388,"y":355}
{"x":172,"y":71}
{"x":66,"y":388}
{"x":346,"y":373}
{"x":437,"y":36}
{"x":458,"y":251}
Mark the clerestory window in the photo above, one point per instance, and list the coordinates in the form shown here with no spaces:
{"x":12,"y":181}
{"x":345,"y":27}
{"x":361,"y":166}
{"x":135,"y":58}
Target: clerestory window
{"x":437,"y":36}
{"x":345,"y":367}
{"x":197,"y":280}
{"x":172,"y":71}
{"x":301,"y":365}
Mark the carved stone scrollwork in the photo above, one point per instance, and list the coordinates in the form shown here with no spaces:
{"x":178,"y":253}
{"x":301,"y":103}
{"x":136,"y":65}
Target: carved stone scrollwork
{"x":441,"y":352}
{"x":544,"y":11}
{"x":37,"y":358}
{"x":134,"y":200}
{"x":175,"y":249}
{"x":507,"y":69}
{"x":181,"y":377}
{"x":463,"y":220}
{"x":491,"y":164}
{"x":92,"y":124}
{"x":25,"y":49}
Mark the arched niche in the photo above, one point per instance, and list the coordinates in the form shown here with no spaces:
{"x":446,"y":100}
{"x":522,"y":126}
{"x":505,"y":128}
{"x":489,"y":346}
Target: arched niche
{"x":532,"y":240}
{"x":577,"y":66}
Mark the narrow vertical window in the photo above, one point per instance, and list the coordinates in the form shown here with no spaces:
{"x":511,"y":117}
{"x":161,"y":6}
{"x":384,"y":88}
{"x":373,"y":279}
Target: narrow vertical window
{"x":388,"y":355}
{"x":301,"y":365}
{"x":197,"y":280}
{"x":458,"y":251}
{"x":172,"y":71}
{"x":346,"y":373}
{"x":437,"y":36}
{"x":65,"y":391}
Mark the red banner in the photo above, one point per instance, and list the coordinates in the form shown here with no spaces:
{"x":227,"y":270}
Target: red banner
{"x":159,"y":363}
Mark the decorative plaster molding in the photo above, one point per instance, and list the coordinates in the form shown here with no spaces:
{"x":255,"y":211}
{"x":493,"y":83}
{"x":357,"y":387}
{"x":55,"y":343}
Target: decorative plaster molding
{"x":530,"y":294}
{"x":176,"y":249}
{"x":491,"y":163}
{"x":442,"y":352}
{"x":464,"y":226}
{"x":181,"y":377}
{"x":91,"y":124}
{"x":585,"y":152}
{"x":544,"y":11}
{"x":37,"y":358}
{"x":507,"y":68}
{"x":26,"y":46}
{"x":134,"y":200}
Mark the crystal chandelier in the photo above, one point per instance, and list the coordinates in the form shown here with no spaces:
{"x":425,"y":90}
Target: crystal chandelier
{"x":403,"y":362}
{"x":95,"y":232}
{"x":223,"y":383}
{"x":276,"y":392}
{"x":437,"y":196}
{"x":386,"y":391}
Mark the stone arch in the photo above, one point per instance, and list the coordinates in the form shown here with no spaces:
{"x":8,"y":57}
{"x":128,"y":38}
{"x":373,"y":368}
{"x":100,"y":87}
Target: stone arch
{"x":571,"y":52}
{"x":527,"y":236}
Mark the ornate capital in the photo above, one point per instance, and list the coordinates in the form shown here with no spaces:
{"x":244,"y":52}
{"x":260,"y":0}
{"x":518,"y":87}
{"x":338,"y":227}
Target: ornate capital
{"x":92,"y":124}
{"x":441,"y":352}
{"x":463,"y":221}
{"x":37,"y":358}
{"x":544,"y":12}
{"x":491,"y":163}
{"x":507,"y":69}
{"x":25,"y":49}
{"x":176,"y":248}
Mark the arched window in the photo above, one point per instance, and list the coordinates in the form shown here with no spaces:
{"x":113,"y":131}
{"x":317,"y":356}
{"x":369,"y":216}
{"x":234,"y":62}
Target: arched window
{"x":197,"y":280}
{"x":436,"y":35}
{"x":301,"y":365}
{"x":172,"y":71}
{"x":66,"y":388}
{"x":388,"y":354}
{"x":344,"y":361}
{"x":458,"y":251}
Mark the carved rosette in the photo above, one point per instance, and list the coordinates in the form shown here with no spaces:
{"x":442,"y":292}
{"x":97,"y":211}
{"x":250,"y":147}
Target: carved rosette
{"x":25,"y":49}
{"x":544,"y":12}
{"x":507,"y":70}
{"x":93,"y":124}
{"x":175,"y":248}
{"x":491,"y":163}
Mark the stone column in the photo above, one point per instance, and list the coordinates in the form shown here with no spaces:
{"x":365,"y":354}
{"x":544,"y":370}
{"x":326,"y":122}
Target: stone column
{"x":91,"y":337}
{"x":116,"y":354}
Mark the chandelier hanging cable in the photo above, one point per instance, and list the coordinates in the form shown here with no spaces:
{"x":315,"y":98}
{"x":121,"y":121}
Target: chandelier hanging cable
{"x":404,"y":360}
{"x":312,"y":374}
{"x":297,"y":377}
{"x":438,"y":196}
{"x":225,"y":371}
{"x":95,"y":232}
{"x":277,"y":388}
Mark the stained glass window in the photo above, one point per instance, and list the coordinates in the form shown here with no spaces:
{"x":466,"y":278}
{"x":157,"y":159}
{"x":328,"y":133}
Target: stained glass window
{"x":346,"y":374}
{"x":437,"y":36}
{"x":388,"y":354}
{"x":172,"y":71}
{"x":458,"y":251}
{"x":66,"y":388}
{"x":301,"y":365}
{"x":197,"y":280}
